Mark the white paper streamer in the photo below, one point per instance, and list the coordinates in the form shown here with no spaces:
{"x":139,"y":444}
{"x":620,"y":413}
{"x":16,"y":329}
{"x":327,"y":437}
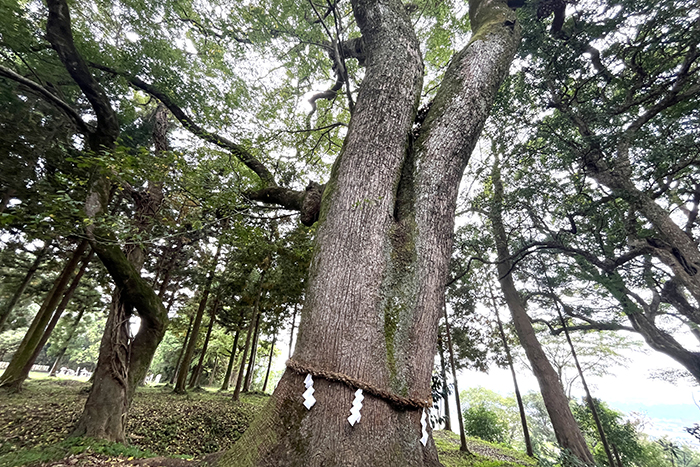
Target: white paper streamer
{"x":355,"y":409}
{"x":424,"y":426}
{"x":309,"y":399}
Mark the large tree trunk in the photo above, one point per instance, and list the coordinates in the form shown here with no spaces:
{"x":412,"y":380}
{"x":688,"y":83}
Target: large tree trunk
{"x":12,"y":377}
{"x":567,"y":431}
{"x":121,"y":363}
{"x":7,"y":309}
{"x":376,"y":283}
{"x":291,"y":332}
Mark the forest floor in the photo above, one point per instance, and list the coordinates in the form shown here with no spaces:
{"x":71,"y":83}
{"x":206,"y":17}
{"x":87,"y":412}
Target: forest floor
{"x":189,"y":429}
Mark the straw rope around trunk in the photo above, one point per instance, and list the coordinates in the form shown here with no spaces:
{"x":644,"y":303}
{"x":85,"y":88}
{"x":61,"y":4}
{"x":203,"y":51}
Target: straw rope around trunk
{"x":393,"y":399}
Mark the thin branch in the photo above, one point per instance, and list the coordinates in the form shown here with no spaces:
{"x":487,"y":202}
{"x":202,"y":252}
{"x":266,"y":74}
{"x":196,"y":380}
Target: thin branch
{"x":50,"y":97}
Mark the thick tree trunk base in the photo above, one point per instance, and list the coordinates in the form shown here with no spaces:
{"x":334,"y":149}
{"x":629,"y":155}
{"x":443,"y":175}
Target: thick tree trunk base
{"x":105,"y":411}
{"x":286,"y":434}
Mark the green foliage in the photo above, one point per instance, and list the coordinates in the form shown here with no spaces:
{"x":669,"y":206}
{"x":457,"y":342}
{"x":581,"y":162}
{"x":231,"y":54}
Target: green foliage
{"x":10,"y":340}
{"x":483,"y":423}
{"x":622,"y":435}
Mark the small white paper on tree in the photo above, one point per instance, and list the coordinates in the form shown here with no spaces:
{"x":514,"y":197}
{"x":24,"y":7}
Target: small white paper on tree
{"x":424,"y":427}
{"x":355,"y":409}
{"x":309,"y":399}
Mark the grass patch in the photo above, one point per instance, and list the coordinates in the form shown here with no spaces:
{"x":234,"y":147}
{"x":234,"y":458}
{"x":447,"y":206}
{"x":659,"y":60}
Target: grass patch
{"x":482,"y":453}
{"x":69,"y":448}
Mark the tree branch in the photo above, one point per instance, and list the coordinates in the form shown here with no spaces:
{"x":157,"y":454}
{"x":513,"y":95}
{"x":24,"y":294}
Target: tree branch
{"x":50,"y":97}
{"x":60,"y":35}
{"x":237,"y":150}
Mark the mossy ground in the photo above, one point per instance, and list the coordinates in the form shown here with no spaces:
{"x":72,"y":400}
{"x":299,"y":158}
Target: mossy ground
{"x":35,"y":422}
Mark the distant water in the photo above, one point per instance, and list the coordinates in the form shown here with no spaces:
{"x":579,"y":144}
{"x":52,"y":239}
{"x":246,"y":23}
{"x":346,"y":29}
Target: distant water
{"x":664,"y":419}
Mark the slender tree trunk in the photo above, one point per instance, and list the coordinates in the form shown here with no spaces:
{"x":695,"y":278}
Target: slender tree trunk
{"x":194,"y":381}
{"x":253,"y":354}
{"x":182,"y":351}
{"x":244,"y":357}
{"x":7,"y":309}
{"x":567,"y":431}
{"x":445,"y":392}
{"x":251,"y":329}
{"x":521,"y":406}
{"x":269,"y":360}
{"x":229,"y":369}
{"x":189,"y":352}
{"x":460,"y":418}
{"x":69,"y":336}
{"x":589,"y":398}
{"x":12,"y":377}
{"x":24,"y":372}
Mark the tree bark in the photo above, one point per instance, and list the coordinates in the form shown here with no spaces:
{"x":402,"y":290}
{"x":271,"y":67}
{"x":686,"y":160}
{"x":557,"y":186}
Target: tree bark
{"x":249,"y":335}
{"x":253,"y":353}
{"x":291,"y":332}
{"x":7,"y":309}
{"x":182,"y":350}
{"x":376,"y":283}
{"x":589,"y":397}
{"x":12,"y":377}
{"x":189,"y":352}
{"x":566,"y":429}
{"x":122,"y":364}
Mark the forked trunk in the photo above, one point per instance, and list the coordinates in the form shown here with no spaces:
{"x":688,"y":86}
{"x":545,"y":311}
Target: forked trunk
{"x":377,"y":280}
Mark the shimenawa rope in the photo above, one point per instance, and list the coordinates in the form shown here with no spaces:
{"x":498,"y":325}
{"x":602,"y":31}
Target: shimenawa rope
{"x":394,"y":399}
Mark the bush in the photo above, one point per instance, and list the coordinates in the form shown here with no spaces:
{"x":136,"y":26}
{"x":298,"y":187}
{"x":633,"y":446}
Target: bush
{"x":485,"y":424}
